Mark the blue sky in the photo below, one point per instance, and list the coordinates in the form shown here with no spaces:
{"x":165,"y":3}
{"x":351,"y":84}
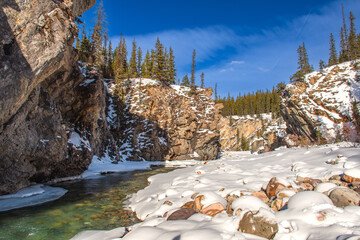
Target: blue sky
{"x":241,"y":45}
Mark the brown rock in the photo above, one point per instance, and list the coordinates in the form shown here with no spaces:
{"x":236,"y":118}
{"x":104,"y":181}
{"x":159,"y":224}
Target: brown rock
{"x":230,"y":199}
{"x":182,"y":214}
{"x":262,"y":195}
{"x":315,"y":182}
{"x":277,"y":204}
{"x":335,"y":177}
{"x":190,"y":204}
{"x":343,"y":197}
{"x":198,"y":205}
{"x":355,"y":184}
{"x":307,"y":186}
{"x":274,"y":187}
{"x":258,"y":225}
{"x":350,"y":179}
{"x":213,"y":209}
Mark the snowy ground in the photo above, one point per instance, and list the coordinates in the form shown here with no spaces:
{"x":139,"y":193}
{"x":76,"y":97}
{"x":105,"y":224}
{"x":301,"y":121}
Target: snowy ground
{"x":241,"y":172}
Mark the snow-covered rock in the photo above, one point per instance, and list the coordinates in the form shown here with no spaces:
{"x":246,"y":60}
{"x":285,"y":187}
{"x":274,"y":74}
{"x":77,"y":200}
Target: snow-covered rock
{"x":161,"y":122}
{"x":320,"y":107}
{"x":263,"y":133}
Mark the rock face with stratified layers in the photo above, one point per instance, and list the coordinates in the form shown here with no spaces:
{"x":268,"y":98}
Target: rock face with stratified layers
{"x":166,"y":122}
{"x":49,"y":120}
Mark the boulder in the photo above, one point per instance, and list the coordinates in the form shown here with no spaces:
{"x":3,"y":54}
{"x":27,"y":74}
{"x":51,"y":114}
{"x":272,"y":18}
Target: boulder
{"x":182,"y":214}
{"x":275,"y":185}
{"x":255,"y":223}
{"x":350,"y":179}
{"x":342,"y":197}
{"x":213,"y":209}
{"x":262,"y":195}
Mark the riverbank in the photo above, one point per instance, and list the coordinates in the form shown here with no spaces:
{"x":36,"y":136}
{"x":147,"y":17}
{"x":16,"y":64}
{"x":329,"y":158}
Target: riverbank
{"x":207,"y":188}
{"x":92,"y":203}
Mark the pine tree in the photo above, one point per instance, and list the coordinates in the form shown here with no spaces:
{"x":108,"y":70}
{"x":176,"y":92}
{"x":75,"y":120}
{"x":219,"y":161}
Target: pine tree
{"x":352,"y":40}
{"x":110,"y":69}
{"x":192,"y":78}
{"x":85,"y":49}
{"x":322,"y":65}
{"x":303,"y":64}
{"x":160,"y":63}
{"x":244,"y":144}
{"x":97,"y":38}
{"x":185,"y":81}
{"x":152,"y":63}
{"x":333,"y":59}
{"x":139,"y":62}
{"x":171,"y":67}
{"x":120,"y":61}
{"x":146,"y":68}
{"x":133,"y":70}
{"x":202,"y":77}
{"x":77,"y":45}
{"x":216,"y":96}
{"x":343,"y":55}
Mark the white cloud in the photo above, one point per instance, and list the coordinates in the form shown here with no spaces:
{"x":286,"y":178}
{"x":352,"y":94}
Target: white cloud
{"x":263,"y":69}
{"x":207,"y":41}
{"x":237,"y":62}
{"x":227,"y":70}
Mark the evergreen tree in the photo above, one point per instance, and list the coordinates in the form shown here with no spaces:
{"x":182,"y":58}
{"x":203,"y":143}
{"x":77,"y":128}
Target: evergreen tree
{"x":352,"y":40}
{"x":216,"y":96}
{"x":152,"y":63}
{"x":192,"y":78}
{"x":97,"y":38}
{"x":333,"y":59}
{"x":110,"y":69}
{"x":303,"y":64}
{"x":77,"y":45}
{"x":133,"y":70}
{"x":120,"y":61}
{"x":85,"y":49}
{"x":139,"y":62}
{"x":202,"y":77}
{"x":244,"y":144}
{"x":171,"y":67}
{"x":343,"y":55}
{"x":160,"y":62}
{"x":322,"y":65}
{"x":146,"y":68}
{"x":185,"y":81}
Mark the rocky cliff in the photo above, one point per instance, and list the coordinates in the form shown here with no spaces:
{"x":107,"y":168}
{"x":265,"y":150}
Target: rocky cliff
{"x":57,"y":114}
{"x":50,"y":121}
{"x":320,"y":108}
{"x":261,"y":133}
{"x":165,"y":122}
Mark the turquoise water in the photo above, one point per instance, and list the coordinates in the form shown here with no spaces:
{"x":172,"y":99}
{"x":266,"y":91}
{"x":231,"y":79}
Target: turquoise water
{"x":89,"y":204}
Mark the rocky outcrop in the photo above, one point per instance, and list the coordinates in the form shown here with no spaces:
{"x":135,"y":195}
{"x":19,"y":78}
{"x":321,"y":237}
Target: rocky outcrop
{"x":320,"y":107}
{"x":49,"y":120}
{"x":259,"y":133}
{"x":165,"y":122}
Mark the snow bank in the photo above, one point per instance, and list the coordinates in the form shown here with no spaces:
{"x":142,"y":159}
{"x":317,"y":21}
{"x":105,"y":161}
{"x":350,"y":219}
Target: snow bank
{"x":30,"y":196}
{"x":310,"y":215}
{"x":106,"y":165}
